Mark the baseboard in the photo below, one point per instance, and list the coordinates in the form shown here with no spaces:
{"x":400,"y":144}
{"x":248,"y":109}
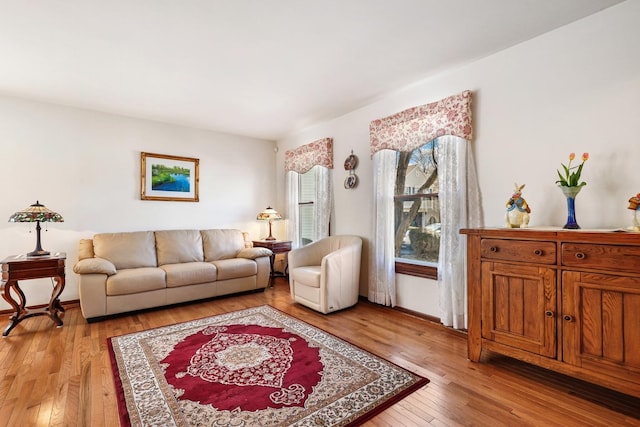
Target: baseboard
{"x":428,"y":317}
{"x":432,"y":319}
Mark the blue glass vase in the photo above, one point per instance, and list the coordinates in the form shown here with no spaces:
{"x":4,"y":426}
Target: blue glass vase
{"x":570,"y":193}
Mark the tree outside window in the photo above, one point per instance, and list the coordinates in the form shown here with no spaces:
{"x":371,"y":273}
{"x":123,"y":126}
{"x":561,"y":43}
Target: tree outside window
{"x":416,"y":206}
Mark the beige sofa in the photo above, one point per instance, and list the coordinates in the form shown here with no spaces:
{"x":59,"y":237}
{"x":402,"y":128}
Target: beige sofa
{"x":121,"y":272}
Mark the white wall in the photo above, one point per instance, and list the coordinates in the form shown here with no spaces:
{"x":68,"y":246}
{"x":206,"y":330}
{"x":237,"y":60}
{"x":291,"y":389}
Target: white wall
{"x":573,"y":89}
{"x":86,"y":166}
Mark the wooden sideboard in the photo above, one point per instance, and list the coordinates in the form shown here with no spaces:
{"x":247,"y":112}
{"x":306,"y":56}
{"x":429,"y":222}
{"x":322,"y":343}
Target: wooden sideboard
{"x":565,"y":300}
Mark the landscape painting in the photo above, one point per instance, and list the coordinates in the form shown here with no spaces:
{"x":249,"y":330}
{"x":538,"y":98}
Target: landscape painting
{"x":169,"y":178}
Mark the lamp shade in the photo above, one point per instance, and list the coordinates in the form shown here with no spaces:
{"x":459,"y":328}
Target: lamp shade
{"x":36,"y":213}
{"x":270,"y":215}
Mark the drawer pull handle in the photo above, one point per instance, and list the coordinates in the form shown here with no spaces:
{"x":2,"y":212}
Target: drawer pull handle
{"x":493,"y":249}
{"x":568,"y":318}
{"x":538,"y":252}
{"x":580,"y":255}
{"x":548,"y":313}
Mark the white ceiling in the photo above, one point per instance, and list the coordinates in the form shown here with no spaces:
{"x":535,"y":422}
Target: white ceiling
{"x":259,"y":68}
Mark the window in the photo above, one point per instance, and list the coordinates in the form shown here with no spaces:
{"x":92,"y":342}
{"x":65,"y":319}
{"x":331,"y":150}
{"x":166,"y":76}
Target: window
{"x":309,"y":194}
{"x":306,"y":200}
{"x":417,"y":211}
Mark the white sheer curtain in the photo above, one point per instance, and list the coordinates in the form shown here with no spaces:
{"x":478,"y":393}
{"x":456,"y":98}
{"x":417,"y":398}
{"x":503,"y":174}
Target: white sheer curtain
{"x":382,"y":286}
{"x":293,"y":215}
{"x":459,"y":208}
{"x":323,"y":203}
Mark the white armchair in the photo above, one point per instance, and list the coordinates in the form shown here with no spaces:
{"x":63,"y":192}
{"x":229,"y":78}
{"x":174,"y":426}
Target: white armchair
{"x":325,"y":275}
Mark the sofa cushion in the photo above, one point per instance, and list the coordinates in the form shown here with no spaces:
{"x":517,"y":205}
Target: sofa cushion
{"x":127,"y":250}
{"x":85,"y":249}
{"x":248,"y":243}
{"x":177,"y":246}
{"x":134,"y":280}
{"x":189,"y":273}
{"x":235,"y":268}
{"x":221,"y":244}
{"x":308,"y":275}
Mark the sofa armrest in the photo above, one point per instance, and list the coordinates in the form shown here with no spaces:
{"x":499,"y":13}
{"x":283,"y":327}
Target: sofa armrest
{"x":95,"y":266}
{"x":253,"y":253}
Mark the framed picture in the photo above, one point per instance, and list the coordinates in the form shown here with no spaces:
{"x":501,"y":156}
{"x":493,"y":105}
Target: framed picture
{"x":169,"y":178}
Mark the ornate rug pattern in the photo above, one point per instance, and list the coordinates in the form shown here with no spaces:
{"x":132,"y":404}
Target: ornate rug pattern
{"x":254,"y":367}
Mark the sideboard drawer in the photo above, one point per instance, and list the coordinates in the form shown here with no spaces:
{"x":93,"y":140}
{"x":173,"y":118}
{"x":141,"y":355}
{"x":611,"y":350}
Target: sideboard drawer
{"x":519,"y":250}
{"x":606,"y":257}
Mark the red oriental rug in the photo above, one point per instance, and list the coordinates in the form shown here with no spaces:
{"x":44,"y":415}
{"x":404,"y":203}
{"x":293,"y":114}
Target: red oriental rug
{"x":254,"y":367}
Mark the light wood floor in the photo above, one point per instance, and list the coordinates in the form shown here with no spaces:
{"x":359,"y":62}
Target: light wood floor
{"x":62,"y":376}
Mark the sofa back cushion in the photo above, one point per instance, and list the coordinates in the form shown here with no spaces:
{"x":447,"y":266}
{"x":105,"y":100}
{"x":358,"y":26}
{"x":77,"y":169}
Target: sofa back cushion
{"x":85,"y":249}
{"x":127,"y":250}
{"x":221,"y":244}
{"x":178,"y":246}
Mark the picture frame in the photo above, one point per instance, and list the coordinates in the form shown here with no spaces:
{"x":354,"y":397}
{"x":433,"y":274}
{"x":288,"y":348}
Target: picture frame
{"x":169,"y":178}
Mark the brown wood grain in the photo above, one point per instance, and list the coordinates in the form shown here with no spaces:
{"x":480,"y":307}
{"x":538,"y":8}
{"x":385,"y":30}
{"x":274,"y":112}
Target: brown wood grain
{"x":580,"y":312}
{"x":62,"y":376}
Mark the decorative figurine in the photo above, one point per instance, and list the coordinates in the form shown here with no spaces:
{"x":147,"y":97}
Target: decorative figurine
{"x":634,"y":205}
{"x":518,"y":210}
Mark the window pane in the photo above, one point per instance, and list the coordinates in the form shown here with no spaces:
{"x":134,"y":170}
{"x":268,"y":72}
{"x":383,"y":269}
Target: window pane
{"x":306,"y":224}
{"x":307,"y":186}
{"x":417,"y":209}
{"x":306,"y":200}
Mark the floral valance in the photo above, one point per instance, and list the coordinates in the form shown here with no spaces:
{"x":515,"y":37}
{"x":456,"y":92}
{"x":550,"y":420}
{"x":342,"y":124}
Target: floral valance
{"x":305,"y":157}
{"x":411,"y":128}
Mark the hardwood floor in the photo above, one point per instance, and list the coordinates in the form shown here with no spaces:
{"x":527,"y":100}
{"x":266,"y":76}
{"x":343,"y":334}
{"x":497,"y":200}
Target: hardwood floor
{"x":62,"y":376}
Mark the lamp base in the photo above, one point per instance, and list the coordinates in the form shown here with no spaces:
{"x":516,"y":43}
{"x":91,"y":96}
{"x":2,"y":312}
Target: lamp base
{"x":270,"y":233}
{"x":38,"y":251}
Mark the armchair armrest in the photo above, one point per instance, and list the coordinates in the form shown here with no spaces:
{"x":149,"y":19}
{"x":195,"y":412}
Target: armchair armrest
{"x":95,"y":265}
{"x":334,"y":260}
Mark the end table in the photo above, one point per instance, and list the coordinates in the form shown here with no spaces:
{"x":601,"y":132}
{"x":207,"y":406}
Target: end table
{"x":21,"y":267}
{"x":277,"y":247}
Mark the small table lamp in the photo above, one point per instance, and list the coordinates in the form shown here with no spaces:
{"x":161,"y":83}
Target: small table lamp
{"x":36,"y":213}
{"x":270,"y":215}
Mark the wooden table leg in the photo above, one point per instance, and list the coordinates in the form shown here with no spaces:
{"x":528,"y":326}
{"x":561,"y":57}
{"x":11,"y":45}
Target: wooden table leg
{"x":272,"y":262}
{"x":54,"y":303}
{"x":18,"y":309}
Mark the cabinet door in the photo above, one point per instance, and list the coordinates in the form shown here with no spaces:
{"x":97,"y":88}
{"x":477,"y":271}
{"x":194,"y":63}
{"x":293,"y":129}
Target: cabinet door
{"x":601,"y":323}
{"x":519,"y":306}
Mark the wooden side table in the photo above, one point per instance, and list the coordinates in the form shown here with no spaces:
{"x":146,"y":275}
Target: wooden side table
{"x":21,"y":267}
{"x":277,"y":247}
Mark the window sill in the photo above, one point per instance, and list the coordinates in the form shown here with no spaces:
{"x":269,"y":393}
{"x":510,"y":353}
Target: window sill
{"x":423,"y":271}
